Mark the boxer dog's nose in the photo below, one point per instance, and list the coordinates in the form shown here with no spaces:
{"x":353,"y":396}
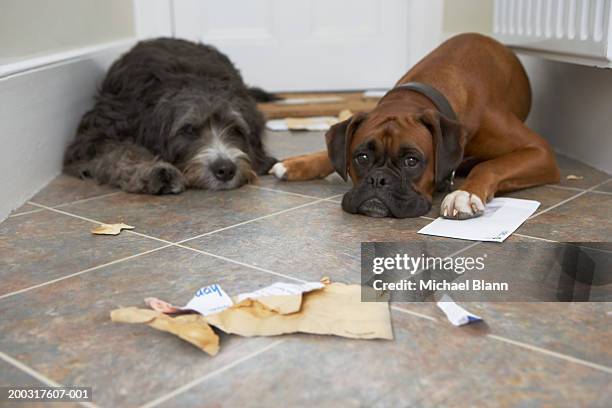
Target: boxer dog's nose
{"x":378,"y":179}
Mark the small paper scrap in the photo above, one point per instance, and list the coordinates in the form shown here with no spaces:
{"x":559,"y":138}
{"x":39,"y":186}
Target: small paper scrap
{"x":573,"y":177}
{"x":501,"y":218}
{"x":455,"y":314}
{"x":110,"y":229}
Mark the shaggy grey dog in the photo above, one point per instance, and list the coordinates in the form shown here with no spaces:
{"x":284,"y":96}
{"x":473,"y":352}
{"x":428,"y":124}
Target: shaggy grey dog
{"x":171,"y":114}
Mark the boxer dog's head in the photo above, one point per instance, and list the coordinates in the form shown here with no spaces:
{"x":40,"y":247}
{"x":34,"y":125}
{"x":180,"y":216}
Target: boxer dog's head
{"x":394,"y":161}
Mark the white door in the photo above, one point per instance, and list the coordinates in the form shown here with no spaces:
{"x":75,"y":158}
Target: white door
{"x":287,"y":45}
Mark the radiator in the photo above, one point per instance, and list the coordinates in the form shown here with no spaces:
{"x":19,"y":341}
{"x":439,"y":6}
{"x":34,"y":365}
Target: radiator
{"x":577,"y":31}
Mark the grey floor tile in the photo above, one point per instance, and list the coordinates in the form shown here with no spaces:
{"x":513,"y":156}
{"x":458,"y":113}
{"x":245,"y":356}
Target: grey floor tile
{"x":315,"y":241}
{"x":12,"y":376}
{"x":36,"y":248}
{"x":579,"y":330}
{"x":606,"y":188}
{"x":65,"y":189}
{"x":64,"y":330}
{"x":427,"y":364}
{"x":287,"y":144}
{"x":194,"y":212}
{"x":587,"y":218}
{"x":590,"y":176}
{"x":325,"y":188}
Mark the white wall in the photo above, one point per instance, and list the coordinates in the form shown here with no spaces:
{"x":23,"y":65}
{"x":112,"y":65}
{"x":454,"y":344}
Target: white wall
{"x":53,"y":55}
{"x":572,"y":108}
{"x":34,"y":27}
{"x":572,"y":104}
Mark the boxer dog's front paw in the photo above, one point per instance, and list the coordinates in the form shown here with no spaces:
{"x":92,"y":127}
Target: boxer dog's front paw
{"x":279,"y":171}
{"x":461,"y":205}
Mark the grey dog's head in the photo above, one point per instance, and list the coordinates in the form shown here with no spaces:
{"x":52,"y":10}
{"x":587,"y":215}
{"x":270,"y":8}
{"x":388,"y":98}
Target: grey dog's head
{"x":213,"y":140}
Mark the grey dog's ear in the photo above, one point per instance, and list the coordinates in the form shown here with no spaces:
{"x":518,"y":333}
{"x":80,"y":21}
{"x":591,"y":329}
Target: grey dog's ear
{"x":338,"y":139}
{"x":449,"y":138}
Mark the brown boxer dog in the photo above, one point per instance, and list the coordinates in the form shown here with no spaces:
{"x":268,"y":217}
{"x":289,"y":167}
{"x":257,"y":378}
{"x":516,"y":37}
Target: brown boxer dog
{"x":464,"y":103}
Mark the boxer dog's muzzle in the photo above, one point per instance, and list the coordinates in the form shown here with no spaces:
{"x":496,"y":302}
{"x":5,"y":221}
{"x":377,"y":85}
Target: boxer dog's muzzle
{"x":395,"y":163}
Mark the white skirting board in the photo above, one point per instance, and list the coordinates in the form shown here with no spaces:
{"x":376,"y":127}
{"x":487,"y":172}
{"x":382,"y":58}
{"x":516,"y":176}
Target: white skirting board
{"x":40,"y":108}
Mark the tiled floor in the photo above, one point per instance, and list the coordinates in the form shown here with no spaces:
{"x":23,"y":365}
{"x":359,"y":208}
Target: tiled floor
{"x":60,"y":282}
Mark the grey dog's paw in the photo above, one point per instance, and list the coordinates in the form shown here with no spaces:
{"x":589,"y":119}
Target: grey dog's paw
{"x":164,"y":178}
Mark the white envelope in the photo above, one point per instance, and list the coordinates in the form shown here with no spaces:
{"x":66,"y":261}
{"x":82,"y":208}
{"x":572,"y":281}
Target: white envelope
{"x":501,"y":218}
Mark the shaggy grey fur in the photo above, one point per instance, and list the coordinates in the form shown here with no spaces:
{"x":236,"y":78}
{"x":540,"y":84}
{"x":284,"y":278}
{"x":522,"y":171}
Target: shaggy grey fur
{"x":170,"y":115}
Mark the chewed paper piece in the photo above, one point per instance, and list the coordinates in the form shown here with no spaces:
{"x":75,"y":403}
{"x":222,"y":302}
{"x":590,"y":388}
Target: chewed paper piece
{"x":209,"y":299}
{"x":192,"y":327}
{"x":110,"y":229}
{"x":334,"y":309}
{"x":281,"y":289}
{"x":455,"y":314}
{"x":573,"y":177}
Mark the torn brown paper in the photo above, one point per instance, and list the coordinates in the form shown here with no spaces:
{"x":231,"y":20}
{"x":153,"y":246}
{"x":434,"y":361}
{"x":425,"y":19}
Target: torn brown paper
{"x":110,"y":229}
{"x":190,"y":327}
{"x":336,"y":309}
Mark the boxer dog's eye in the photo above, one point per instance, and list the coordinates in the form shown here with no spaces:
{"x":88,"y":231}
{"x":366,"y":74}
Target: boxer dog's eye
{"x":362,"y":159}
{"x":411,"y":161}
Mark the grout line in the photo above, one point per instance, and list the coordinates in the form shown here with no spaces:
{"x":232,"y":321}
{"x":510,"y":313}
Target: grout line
{"x":263,"y":217}
{"x":552,"y":353}
{"x":213,"y":373}
{"x":38,"y":376}
{"x":65,"y":213}
{"x":583,"y":192}
{"x":26,"y":213}
{"x":567,"y":188}
{"x":410,"y":312}
{"x":84,"y":200}
{"x":240,"y":263}
{"x":535,"y":238}
{"x":283,"y":191}
{"x":93,"y":268}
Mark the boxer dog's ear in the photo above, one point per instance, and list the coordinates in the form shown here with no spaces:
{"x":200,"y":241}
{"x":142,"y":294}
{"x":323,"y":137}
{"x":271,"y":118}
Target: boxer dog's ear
{"x":338,"y":139}
{"x":449,"y":139}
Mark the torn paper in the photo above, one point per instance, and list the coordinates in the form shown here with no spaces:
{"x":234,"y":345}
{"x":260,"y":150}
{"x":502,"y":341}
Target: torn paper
{"x":502,"y":216}
{"x":192,"y":327}
{"x":335,"y":309}
{"x":573,"y":177}
{"x":283,"y":298}
{"x":207,"y":300}
{"x":455,"y":314}
{"x":110,"y":229}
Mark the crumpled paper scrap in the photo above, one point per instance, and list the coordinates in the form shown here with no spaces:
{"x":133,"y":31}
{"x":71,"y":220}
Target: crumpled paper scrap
{"x":282,"y":308}
{"x":110,"y":229}
{"x":189,"y":327}
{"x":455,"y":314}
{"x":335,"y":309}
{"x":573,"y":177}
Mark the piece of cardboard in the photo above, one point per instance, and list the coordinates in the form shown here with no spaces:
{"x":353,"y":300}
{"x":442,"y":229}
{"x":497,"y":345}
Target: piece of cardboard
{"x":335,"y":309}
{"x":189,"y":327}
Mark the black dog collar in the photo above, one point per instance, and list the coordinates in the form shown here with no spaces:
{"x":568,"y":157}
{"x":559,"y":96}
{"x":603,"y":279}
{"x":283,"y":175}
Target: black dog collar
{"x":440,"y":102}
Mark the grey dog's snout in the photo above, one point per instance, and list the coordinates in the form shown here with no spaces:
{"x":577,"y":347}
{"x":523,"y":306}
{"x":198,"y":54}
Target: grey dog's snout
{"x":223,"y":169}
